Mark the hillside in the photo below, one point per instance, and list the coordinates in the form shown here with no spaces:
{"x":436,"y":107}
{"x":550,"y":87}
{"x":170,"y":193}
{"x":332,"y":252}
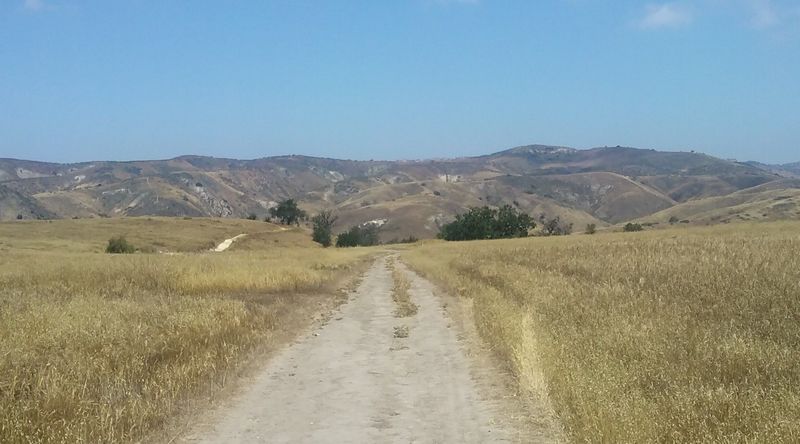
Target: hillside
{"x":603,"y":186}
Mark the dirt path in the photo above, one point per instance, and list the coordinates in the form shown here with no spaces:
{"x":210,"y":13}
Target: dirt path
{"x":227,"y":243}
{"x":353,"y":381}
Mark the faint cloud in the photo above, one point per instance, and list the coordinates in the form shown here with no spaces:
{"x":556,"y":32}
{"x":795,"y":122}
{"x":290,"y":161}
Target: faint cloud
{"x":35,"y":5}
{"x":665,"y":15}
{"x":457,"y":2}
{"x":763,"y":14}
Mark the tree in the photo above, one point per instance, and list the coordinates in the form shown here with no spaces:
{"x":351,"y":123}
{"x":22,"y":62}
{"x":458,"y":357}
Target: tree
{"x":591,"y":228}
{"x":252,"y":216}
{"x":673,"y":220}
{"x":554,"y":226}
{"x":288,"y":212}
{"x":487,"y":223}
{"x":323,"y":227}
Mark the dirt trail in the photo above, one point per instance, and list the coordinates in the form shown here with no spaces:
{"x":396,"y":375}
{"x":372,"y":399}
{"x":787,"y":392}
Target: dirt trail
{"x":353,"y":381}
{"x":227,"y":243}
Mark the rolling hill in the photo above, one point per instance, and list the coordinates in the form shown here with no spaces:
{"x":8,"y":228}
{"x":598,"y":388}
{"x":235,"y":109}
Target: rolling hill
{"x":604,"y":186}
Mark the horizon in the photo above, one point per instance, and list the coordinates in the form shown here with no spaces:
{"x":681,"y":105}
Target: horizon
{"x":90,"y":81}
{"x":421,"y":159}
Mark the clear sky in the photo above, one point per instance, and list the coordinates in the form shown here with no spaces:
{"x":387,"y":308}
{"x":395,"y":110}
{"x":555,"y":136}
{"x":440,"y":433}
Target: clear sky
{"x":385,"y":79}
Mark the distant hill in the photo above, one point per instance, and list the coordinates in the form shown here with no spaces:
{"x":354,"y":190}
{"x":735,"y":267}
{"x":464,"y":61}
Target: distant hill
{"x":604,"y":186}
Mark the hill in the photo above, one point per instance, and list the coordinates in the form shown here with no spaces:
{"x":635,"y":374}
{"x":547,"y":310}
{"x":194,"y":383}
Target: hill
{"x":603,"y":186}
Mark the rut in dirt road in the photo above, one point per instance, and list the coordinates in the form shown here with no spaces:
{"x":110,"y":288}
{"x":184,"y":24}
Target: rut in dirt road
{"x":353,"y":381}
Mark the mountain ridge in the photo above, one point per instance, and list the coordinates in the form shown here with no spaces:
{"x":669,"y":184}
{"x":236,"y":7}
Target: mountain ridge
{"x":603,"y":185}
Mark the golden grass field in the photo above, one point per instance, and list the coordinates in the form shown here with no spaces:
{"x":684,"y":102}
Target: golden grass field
{"x":679,"y":335}
{"x":106,"y":348}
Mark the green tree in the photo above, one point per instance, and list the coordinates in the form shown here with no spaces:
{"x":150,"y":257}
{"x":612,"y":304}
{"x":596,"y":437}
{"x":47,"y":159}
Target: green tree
{"x":323,"y":227}
{"x":287,"y":212}
{"x":487,"y":223}
{"x":591,"y":228}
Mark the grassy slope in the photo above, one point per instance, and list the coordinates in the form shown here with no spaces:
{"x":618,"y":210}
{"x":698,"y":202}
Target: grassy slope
{"x":102,"y":348}
{"x":752,"y":205}
{"x":683,"y":335}
{"x":148,"y":233}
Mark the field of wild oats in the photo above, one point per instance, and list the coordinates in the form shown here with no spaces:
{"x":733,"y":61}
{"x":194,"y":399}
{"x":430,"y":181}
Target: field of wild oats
{"x":685,"y":335}
{"x":105,"y":348}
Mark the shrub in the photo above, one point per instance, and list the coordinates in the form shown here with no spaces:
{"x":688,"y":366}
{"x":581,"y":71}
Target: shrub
{"x":359,"y":236}
{"x":405,"y":240}
{"x":630,"y":227}
{"x":118,"y":245}
{"x":19,"y":217}
{"x":488,"y":223}
{"x":591,"y":229}
{"x":252,"y":216}
{"x":323,"y":227}
{"x":673,"y":220}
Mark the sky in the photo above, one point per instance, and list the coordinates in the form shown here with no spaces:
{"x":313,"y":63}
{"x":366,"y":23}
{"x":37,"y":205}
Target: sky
{"x":396,"y":79}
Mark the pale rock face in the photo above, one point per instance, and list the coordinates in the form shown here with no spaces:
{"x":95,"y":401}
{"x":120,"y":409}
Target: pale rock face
{"x":23,"y":173}
{"x":80,"y":178}
{"x":377,"y":222}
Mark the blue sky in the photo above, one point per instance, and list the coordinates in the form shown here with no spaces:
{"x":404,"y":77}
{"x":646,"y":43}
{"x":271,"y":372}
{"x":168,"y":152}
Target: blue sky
{"x":135,"y":79}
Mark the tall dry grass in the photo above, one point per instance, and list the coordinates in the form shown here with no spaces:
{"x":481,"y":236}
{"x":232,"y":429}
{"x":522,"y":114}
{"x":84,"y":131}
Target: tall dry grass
{"x":105,"y":348}
{"x":686,"y":335}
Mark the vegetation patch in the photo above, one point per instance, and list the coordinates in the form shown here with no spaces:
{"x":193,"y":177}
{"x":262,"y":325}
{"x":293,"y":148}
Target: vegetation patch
{"x":402,"y":299}
{"x":105,"y":349}
{"x":488,"y":223}
{"x":682,"y":335}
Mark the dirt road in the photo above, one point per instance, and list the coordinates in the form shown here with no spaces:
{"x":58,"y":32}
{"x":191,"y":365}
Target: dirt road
{"x":353,"y":381}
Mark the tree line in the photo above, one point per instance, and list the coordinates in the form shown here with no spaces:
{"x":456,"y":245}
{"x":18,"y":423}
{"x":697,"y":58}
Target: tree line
{"x":476,"y":223}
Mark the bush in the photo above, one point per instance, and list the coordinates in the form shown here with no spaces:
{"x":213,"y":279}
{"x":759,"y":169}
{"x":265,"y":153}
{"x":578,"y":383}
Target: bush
{"x":631,"y":227}
{"x":323,"y":227}
{"x":252,"y":216}
{"x":488,"y":223}
{"x":19,"y":217}
{"x":405,"y":240}
{"x":359,"y":236}
{"x":118,"y":245}
{"x":673,"y":220}
{"x":591,"y":229}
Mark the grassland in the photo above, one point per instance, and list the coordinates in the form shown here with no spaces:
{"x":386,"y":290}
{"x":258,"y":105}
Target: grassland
{"x":106,"y":348}
{"x":680,"y":335}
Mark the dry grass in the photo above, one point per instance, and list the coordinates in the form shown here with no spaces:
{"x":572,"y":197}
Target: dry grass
{"x":151,"y":234}
{"x":105,"y":348}
{"x":685,"y":335}
{"x":400,"y":296}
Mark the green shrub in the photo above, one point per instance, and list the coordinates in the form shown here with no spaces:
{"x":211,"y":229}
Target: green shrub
{"x":591,"y":229}
{"x":118,"y":245}
{"x":630,"y":227}
{"x":359,"y":236}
